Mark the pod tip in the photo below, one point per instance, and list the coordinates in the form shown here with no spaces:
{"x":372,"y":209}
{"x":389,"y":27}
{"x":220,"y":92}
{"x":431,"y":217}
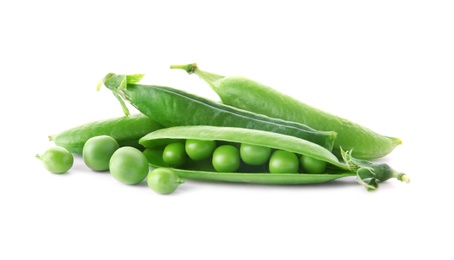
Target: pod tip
{"x":403,"y":178}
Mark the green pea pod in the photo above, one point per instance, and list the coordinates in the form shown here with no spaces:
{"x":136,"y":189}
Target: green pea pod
{"x":171,"y":107}
{"x":253,"y":96}
{"x":126,"y":130}
{"x":204,"y":171}
{"x":350,"y":167}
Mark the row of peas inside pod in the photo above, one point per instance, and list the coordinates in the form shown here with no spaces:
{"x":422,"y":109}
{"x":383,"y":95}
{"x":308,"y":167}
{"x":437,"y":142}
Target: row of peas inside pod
{"x":233,"y":157}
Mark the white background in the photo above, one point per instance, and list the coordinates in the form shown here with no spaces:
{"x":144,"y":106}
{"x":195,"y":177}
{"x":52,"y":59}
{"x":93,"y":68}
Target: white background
{"x":385,"y":64}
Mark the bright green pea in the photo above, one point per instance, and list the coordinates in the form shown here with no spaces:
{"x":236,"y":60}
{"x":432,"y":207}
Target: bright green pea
{"x":129,"y":165}
{"x":174,"y":154}
{"x":283,"y":162}
{"x":311,"y":165}
{"x":163,"y":180}
{"x":226,"y":158}
{"x":254,"y":154}
{"x":199,"y":150}
{"x":97,"y":152}
{"x":57,"y":159}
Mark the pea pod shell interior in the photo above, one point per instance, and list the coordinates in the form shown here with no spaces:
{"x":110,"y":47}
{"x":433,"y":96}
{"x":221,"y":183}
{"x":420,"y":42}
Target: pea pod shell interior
{"x":241,"y":135}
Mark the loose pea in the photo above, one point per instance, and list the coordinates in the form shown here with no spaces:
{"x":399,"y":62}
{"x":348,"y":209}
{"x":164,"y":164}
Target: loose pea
{"x":199,"y":150}
{"x":311,"y":165}
{"x":254,"y":154}
{"x":129,"y":165}
{"x":97,"y":152}
{"x":283,"y":162}
{"x":226,"y":158}
{"x":56,"y":159}
{"x":163,"y":180}
{"x":174,"y":154}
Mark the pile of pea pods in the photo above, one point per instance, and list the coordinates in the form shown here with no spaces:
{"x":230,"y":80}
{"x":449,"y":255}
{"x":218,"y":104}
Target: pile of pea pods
{"x":255,"y":135}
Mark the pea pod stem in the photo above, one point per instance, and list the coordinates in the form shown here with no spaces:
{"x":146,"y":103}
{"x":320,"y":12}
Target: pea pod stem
{"x":192,"y":68}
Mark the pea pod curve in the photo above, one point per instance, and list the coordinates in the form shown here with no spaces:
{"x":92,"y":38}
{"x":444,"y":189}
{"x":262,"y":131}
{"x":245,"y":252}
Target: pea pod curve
{"x":367,"y":173}
{"x":250,"y":95}
{"x":172,"y":107}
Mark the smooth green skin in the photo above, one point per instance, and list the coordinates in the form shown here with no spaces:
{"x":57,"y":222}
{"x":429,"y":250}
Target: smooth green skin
{"x":261,"y":178}
{"x":283,"y":162}
{"x":226,"y":158}
{"x":254,"y":154}
{"x":253,"y":96}
{"x":129,"y":165}
{"x":97,"y":152}
{"x":127,"y":130}
{"x":163,"y":180}
{"x":311,"y":165}
{"x":199,"y":150}
{"x":164,"y":105}
{"x":57,"y":159}
{"x":174,"y":154}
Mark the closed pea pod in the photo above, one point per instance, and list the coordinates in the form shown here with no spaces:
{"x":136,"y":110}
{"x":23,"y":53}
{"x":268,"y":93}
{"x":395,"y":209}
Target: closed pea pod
{"x":287,"y":143}
{"x":165,"y":105}
{"x":253,"y":96}
{"x":126,"y":130}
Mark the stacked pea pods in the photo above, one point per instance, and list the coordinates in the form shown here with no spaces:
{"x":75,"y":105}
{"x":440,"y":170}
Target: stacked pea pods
{"x":241,"y":139}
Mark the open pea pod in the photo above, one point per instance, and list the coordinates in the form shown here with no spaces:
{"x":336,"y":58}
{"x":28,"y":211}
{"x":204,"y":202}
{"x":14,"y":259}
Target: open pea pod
{"x":205,"y":172}
{"x":367,"y":173}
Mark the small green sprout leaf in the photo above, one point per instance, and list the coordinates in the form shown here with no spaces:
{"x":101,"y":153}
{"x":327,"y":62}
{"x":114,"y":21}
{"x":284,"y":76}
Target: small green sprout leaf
{"x":366,"y":177}
{"x":134,"y":78}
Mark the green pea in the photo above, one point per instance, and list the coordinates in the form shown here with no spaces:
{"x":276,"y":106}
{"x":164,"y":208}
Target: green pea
{"x":283,"y":162}
{"x":199,"y":150}
{"x":129,"y":165}
{"x":163,"y":180}
{"x":226,"y":158}
{"x":57,"y":159}
{"x":311,"y":165}
{"x":97,"y":152}
{"x":254,"y":154}
{"x":174,"y":154}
